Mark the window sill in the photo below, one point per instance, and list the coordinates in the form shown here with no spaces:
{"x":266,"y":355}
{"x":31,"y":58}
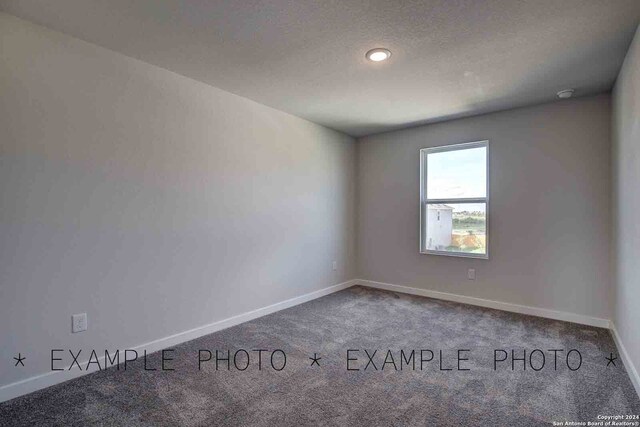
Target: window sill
{"x":456,"y":254}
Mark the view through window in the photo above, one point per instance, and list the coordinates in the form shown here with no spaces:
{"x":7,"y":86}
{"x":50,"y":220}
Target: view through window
{"x":454,"y":193}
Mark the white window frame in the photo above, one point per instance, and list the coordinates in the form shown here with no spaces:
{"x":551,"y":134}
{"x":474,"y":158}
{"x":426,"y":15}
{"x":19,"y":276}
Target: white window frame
{"x":424,"y":201}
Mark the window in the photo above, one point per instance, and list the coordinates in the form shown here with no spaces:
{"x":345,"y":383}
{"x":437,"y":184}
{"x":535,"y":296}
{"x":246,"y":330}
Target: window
{"x":454,"y":200}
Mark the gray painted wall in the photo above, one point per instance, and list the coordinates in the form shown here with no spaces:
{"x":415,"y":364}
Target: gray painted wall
{"x":626,"y":201}
{"x":152,"y":202}
{"x":549,"y":212}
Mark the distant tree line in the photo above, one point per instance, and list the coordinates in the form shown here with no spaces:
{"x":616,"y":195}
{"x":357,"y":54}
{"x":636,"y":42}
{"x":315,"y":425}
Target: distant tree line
{"x":469,"y":220}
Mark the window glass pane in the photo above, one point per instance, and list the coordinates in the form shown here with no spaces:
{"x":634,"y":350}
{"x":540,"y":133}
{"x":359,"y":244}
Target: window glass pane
{"x":457,"y":227}
{"x":457,"y":173}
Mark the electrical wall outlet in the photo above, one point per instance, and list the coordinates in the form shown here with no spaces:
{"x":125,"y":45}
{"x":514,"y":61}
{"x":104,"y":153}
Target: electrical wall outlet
{"x":79,"y":322}
{"x":471,"y":274}
{"x":335,"y":265}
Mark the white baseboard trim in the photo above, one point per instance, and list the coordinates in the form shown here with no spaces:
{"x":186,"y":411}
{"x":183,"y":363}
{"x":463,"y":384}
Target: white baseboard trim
{"x":628,"y":363}
{"x":48,"y":379}
{"x":505,"y":306}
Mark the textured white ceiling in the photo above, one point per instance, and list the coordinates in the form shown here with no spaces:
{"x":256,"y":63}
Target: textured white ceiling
{"x":451,"y":58}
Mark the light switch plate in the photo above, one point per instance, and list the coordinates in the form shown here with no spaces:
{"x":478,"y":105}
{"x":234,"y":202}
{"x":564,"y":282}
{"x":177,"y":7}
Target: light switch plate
{"x":471,"y":274}
{"x":79,"y":322}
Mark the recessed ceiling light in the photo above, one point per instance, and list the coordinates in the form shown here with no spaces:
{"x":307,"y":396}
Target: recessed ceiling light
{"x":564,"y":94}
{"x":379,"y":54}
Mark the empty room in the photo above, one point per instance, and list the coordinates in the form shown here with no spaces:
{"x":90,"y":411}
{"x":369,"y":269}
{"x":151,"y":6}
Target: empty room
{"x":320,"y":213}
